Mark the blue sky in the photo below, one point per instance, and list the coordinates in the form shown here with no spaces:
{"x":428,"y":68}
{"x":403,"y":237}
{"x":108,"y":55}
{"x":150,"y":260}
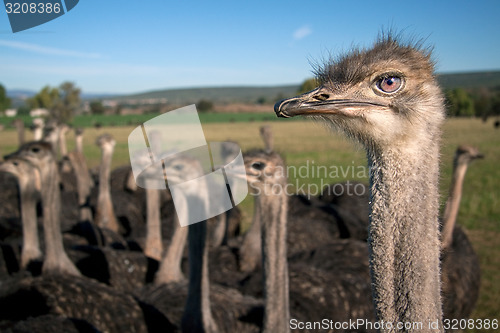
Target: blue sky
{"x":135,"y":46}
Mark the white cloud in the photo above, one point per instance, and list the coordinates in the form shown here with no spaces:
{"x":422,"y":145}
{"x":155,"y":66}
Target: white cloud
{"x":34,"y":48}
{"x":302,"y":32}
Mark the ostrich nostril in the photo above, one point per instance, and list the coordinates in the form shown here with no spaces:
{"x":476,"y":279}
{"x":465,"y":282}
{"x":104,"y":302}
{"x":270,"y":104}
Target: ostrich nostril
{"x":321,"y":97}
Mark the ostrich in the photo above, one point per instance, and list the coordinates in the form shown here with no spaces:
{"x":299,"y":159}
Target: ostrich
{"x":37,"y":128}
{"x":310,"y":224}
{"x":105,"y":215}
{"x":267,"y":136}
{"x":337,"y":288}
{"x":264,"y":176}
{"x":153,"y":247}
{"x":460,"y":264}
{"x":463,"y":156}
{"x":387,"y":98}
{"x":83,"y":180}
{"x":25,"y":299}
{"x":63,"y":148}
{"x":250,"y":251}
{"x":170,"y":265}
{"x":51,"y":135}
{"x":19,"y":125}
{"x":29,"y":184}
{"x":226,"y":224}
{"x":40,"y":155}
{"x":205,"y":307}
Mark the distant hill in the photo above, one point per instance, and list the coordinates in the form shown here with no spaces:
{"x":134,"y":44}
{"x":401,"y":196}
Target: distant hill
{"x":216,"y":94}
{"x":490,"y":80}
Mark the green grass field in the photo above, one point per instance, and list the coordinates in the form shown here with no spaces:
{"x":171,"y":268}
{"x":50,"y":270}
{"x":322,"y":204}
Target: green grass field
{"x":308,"y":145}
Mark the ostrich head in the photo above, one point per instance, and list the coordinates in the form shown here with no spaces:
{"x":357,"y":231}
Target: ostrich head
{"x":181,"y":169}
{"x":37,"y":153}
{"x":23,"y":170}
{"x":383,"y":96}
{"x":466,"y":154}
{"x":105,"y":142}
{"x":265,"y":171}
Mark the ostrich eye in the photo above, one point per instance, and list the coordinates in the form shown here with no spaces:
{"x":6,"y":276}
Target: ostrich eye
{"x":258,"y":165}
{"x":178,"y":167}
{"x":35,"y":149}
{"x":390,"y":84}
{"x":15,"y":163}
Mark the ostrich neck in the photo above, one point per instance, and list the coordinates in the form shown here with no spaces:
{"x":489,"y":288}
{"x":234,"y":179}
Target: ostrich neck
{"x":56,"y":260}
{"x":154,"y":247}
{"x":104,"y":170}
{"x":404,"y":235}
{"x":31,"y":247}
{"x":170,"y":266}
{"x":105,"y":216}
{"x":453,"y":204}
{"x":273,"y":214}
{"x":62,"y":143}
{"x":79,"y":143}
{"x":197,"y":314}
{"x":38,"y":133}
{"x":20,"y":132}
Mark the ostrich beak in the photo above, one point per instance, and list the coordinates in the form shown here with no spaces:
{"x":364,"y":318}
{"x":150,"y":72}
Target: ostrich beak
{"x":321,"y":101}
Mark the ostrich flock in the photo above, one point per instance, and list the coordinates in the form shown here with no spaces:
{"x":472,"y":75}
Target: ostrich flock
{"x":84,"y":251}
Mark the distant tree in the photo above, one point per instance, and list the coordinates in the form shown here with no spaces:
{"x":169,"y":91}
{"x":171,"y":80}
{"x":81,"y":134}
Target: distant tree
{"x":495,"y":105}
{"x":204,"y":105}
{"x":261,"y":100}
{"x":307,"y":85}
{"x":69,"y":102}
{"x":23,"y":110}
{"x":96,"y":107}
{"x":61,"y":102}
{"x":4,"y":100}
{"x":47,"y":98}
{"x":460,"y":103}
{"x":482,"y":102}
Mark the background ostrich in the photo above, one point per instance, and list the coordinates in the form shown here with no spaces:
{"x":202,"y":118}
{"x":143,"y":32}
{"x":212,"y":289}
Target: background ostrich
{"x":388,"y":99}
{"x":29,"y":183}
{"x":205,"y":307}
{"x":463,"y":156}
{"x":250,"y":250}
{"x":310,"y":225}
{"x":40,"y":155}
{"x":329,"y":281}
{"x":51,"y":135}
{"x":460,"y":264}
{"x":105,"y":215}
{"x":225,"y":225}
{"x":63,"y":148}
{"x":267,"y":136}
{"x":24,"y":299}
{"x":19,"y":125}
{"x":37,"y":128}
{"x":83,"y":180}
{"x":264,"y":176}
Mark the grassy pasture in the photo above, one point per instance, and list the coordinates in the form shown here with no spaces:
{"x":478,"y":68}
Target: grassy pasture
{"x":308,"y":145}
